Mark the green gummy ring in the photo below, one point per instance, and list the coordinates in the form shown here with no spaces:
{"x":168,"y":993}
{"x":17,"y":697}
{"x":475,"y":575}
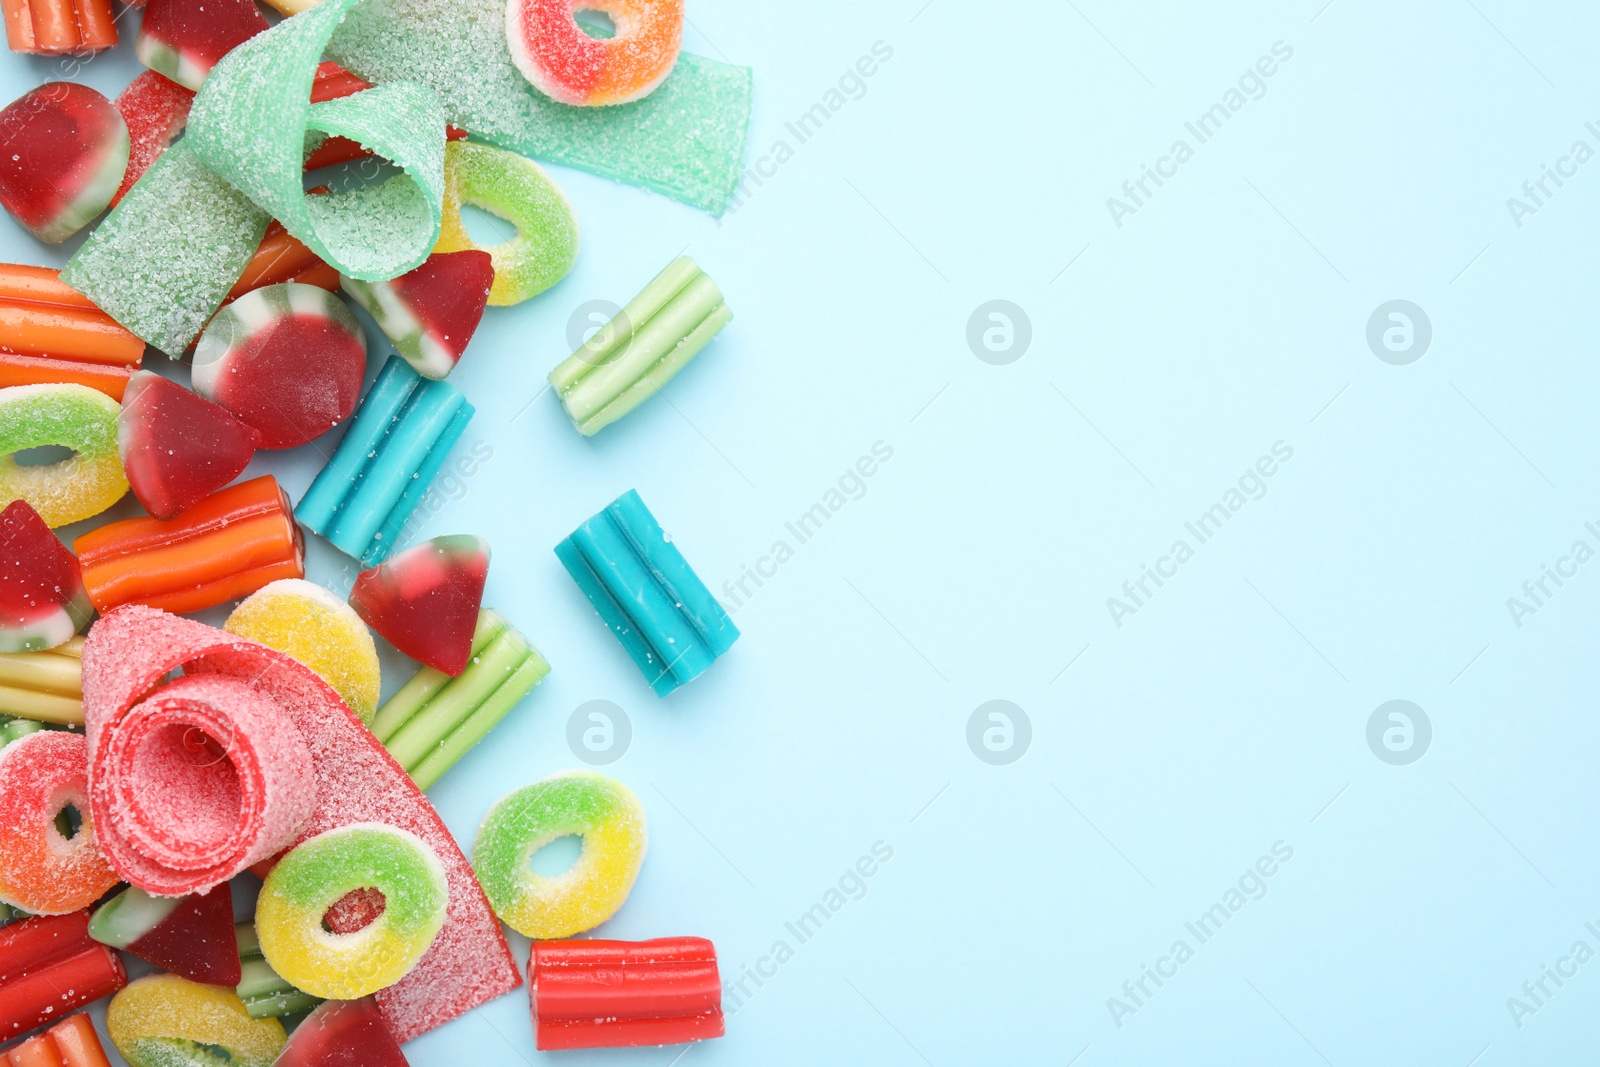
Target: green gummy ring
{"x":249,"y":121}
{"x":518,"y":190}
{"x":73,"y":416}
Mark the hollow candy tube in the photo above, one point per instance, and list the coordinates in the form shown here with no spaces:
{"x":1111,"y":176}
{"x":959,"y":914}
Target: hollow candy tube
{"x":646,"y":592}
{"x":44,"y":686}
{"x":228,"y":545}
{"x":57,"y":27}
{"x":396,"y":443}
{"x":50,"y":332}
{"x":49,"y":966}
{"x":435,"y":719}
{"x":72,"y":1042}
{"x":631,"y":357}
{"x":610,"y":994}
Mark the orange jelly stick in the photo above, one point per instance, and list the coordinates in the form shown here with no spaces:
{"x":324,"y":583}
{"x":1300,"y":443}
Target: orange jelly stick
{"x":227,"y":546}
{"x":56,"y":27}
{"x":50,"y":332}
{"x":72,"y":1042}
{"x":282,"y":258}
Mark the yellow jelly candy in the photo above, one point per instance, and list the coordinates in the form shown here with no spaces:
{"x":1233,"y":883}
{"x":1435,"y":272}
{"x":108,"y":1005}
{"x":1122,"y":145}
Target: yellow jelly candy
{"x":71,"y":416}
{"x":312,"y":625}
{"x":164,"y":1020}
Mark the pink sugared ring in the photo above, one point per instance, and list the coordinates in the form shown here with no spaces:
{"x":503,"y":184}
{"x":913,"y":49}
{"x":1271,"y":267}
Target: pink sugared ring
{"x":560,"y":58}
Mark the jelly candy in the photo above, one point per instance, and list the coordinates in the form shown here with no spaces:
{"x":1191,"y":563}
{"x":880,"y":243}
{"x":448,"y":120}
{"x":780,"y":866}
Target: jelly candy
{"x":430,"y":313}
{"x":49,"y":965}
{"x":281,"y":258}
{"x":610,"y":994}
{"x":177,"y":448}
{"x":287,"y":359}
{"x":318,"y":629}
{"x":191,"y":936}
{"x":41,"y":687}
{"x":569,"y":65}
{"x":265,"y":994}
{"x":77,"y":417}
{"x":60,"y":27}
{"x":71,"y":1042}
{"x":167,"y":1021}
{"x":183,"y":39}
{"x":50,"y":332}
{"x":155,"y":108}
{"x":41,"y":870}
{"x":425,"y":600}
{"x":68,"y":151}
{"x":343,"y":1033}
{"x":42,"y":599}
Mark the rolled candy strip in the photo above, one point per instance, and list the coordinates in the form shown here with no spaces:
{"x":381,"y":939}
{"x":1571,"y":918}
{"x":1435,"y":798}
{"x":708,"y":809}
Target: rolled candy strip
{"x":611,"y":994}
{"x":320,"y":871}
{"x":395,"y":444}
{"x":44,"y":686}
{"x":59,"y":27}
{"x":165,"y":1021}
{"x":42,"y":600}
{"x":80,"y":418}
{"x":333,"y":82}
{"x":190,"y":936}
{"x":435,"y":719}
{"x":67,"y":149}
{"x":41,"y":871}
{"x":264,"y":992}
{"x":566,"y":63}
{"x":612,"y":823}
{"x":155,"y":108}
{"x":630,"y":358}
{"x":645,"y":591}
{"x":518,"y":190}
{"x":50,"y":332}
{"x":228,"y":545}
{"x":71,"y":1042}
{"x":132,"y":649}
{"x":318,"y":629}
{"x":50,"y":966}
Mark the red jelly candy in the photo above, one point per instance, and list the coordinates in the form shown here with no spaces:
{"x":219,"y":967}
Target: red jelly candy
{"x":431,"y":312}
{"x":612,"y":994}
{"x":342,"y":1033}
{"x":183,"y":39}
{"x":287,"y":359}
{"x":177,"y":448}
{"x":156,"y":110}
{"x":192,"y":937}
{"x":425,"y":600}
{"x":42,"y":599}
{"x":67,"y":151}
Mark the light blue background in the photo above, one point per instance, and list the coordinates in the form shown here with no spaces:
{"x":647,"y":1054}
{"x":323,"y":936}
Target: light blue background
{"x":1230,"y":712}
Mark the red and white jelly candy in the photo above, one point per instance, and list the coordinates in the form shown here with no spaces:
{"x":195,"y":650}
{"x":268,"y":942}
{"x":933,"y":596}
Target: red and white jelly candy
{"x":177,"y":448}
{"x":183,"y":39}
{"x":562,"y":60}
{"x":156,"y":109}
{"x":42,"y":599}
{"x":286,"y":359}
{"x":342,"y":1033}
{"x":66,"y":152}
{"x":430,"y":313}
{"x":425,"y":600}
{"x":192,"y":937}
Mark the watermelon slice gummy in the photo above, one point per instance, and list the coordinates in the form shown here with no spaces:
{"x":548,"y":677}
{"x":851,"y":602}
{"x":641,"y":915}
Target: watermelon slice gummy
{"x":42,"y":599}
{"x":430,"y":313}
{"x":286,"y":359}
{"x":68,"y":148}
{"x":425,"y":600}
{"x":191,"y":937}
{"x":183,"y":39}
{"x":342,"y":1033}
{"x":177,"y":448}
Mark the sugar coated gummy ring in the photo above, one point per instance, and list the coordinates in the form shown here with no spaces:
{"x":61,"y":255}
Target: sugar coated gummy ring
{"x":40,"y":870}
{"x":310,"y":879}
{"x":519,"y":191}
{"x":610,"y":819}
{"x":318,"y":629}
{"x":566,"y":63}
{"x":73,"y":416}
{"x":167,"y":1021}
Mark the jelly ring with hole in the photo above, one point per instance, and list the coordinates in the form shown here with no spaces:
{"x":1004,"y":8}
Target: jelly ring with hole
{"x":567,"y":63}
{"x":71,"y":416}
{"x":48,"y":867}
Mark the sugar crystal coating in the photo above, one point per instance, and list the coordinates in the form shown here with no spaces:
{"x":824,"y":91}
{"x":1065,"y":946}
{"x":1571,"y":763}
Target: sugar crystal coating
{"x":167,"y":1021}
{"x":77,"y":417}
{"x":309,"y":623}
{"x":41,"y":871}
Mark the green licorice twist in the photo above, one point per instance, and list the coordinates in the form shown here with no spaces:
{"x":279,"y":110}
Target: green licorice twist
{"x":434,"y":719}
{"x":631,"y":357}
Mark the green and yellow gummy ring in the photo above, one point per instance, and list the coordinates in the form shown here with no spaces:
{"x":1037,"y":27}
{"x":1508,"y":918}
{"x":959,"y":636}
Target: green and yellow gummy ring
{"x":611,"y":821}
{"x":72,"y":416}
{"x":322,"y":869}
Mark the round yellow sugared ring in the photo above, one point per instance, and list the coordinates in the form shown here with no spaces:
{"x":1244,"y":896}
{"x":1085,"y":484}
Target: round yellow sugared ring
{"x":610,"y":819}
{"x":310,"y":624}
{"x":70,"y":416}
{"x":321,"y":870}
